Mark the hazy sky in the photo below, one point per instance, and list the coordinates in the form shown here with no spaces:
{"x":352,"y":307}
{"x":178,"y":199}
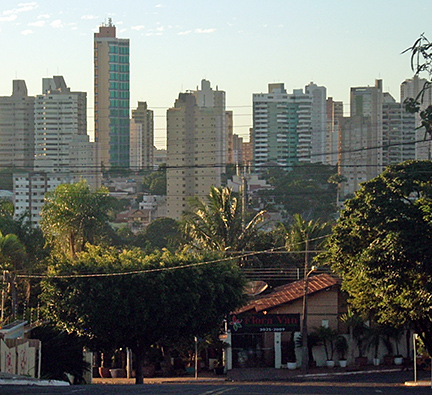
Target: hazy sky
{"x":238,"y":45}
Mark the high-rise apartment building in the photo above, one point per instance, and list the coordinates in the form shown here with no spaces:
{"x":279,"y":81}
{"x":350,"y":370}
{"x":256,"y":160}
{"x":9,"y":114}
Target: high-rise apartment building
{"x":30,"y":189}
{"x":318,"y":95}
{"x":281,"y":127}
{"x":334,"y":114}
{"x":62,"y":150}
{"x":237,"y":149}
{"x":60,"y":119}
{"x":17,"y":127}
{"x":142,"y":138}
{"x":411,"y":88}
{"x":111,"y":97}
{"x":361,"y":145}
{"x":378,"y":133}
{"x":196,"y":153}
{"x":399,"y":132}
{"x":229,"y":137}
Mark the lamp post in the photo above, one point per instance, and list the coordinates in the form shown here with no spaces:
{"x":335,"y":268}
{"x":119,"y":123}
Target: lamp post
{"x":304,"y":330}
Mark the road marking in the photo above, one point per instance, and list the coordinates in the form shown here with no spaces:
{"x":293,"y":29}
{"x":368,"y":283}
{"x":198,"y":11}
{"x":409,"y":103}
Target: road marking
{"x":217,"y":392}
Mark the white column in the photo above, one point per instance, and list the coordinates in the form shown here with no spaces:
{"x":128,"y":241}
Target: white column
{"x":278,"y":350}
{"x":228,"y":352}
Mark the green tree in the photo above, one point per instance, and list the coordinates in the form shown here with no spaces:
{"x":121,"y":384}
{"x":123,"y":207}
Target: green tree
{"x":73,"y":215}
{"x":12,"y":253}
{"x":159,"y":298}
{"x":306,"y":236}
{"x":161,"y":233}
{"x":155,"y":183}
{"x":218,"y":223}
{"x":421,"y":63}
{"x":305,"y":190}
{"x":382,"y":248}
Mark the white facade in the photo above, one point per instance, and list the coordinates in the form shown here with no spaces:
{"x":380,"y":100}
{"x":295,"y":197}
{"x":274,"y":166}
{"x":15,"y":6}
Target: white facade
{"x":30,"y":189}
{"x":61,"y":140}
{"x":318,"y":122}
{"x":282,"y":126}
{"x":410,"y":88}
{"x":154,"y":203}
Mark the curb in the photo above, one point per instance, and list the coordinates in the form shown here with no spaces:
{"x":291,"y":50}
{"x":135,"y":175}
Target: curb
{"x":34,"y":382}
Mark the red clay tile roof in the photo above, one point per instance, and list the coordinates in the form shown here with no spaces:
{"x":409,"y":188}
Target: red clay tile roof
{"x":289,"y":292}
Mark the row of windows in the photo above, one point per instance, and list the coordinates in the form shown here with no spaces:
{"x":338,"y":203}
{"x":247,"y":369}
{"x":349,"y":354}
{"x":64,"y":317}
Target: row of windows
{"x":118,"y":113}
{"x":119,"y":59}
{"x":119,"y":94}
{"x":124,"y":86}
{"x":119,"y":103}
{"x":123,"y":68}
{"x":119,"y":77}
{"x":121,"y":49}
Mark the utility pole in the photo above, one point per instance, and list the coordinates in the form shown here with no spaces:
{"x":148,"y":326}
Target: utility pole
{"x":3,"y":298}
{"x":304,"y":332}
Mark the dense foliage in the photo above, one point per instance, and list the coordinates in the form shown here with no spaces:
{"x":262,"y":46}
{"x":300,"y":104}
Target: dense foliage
{"x":218,"y":223}
{"x":155,"y":183}
{"x":157,"y":298}
{"x":305,"y":190}
{"x":73,"y":215}
{"x":382,"y":248}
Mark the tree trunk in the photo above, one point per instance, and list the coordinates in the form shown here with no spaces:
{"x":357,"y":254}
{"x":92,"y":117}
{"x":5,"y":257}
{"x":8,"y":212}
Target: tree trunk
{"x":11,"y":278}
{"x":139,"y":362}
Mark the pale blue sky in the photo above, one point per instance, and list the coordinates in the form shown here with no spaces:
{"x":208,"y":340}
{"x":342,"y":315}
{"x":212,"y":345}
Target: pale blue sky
{"x":238,"y":45}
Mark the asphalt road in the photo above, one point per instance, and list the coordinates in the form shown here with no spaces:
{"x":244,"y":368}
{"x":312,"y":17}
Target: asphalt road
{"x":359,"y":384}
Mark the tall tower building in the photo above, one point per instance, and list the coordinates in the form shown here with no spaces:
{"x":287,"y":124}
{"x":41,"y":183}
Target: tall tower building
{"x":361,"y":138}
{"x":410,"y":88}
{"x":281,"y":127}
{"x":334,"y":114}
{"x":378,"y":133}
{"x":142,"y":138}
{"x":229,"y":137}
{"x":196,"y":154}
{"x":17,"y":128}
{"x":318,"y":122}
{"x":399,"y":132}
{"x":111,"y":97}
{"x":61,"y":140}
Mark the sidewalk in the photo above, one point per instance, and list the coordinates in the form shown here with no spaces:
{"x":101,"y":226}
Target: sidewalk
{"x":266,"y":374}
{"x":235,"y":375}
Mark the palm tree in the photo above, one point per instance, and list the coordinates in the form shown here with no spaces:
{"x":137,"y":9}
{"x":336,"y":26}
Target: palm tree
{"x":305,"y":236}
{"x":73,"y":215}
{"x":218,"y":223}
{"x":12,"y":254}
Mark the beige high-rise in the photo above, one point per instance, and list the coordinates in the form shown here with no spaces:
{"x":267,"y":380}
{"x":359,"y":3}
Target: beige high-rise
{"x":196,"y":152}
{"x":17,"y":128}
{"x":142,"y":138}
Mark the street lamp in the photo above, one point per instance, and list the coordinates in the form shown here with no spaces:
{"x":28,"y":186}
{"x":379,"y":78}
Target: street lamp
{"x":304,"y":331}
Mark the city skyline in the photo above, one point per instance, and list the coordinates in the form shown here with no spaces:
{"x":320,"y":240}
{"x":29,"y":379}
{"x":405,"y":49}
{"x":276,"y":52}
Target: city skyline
{"x":239,"y":47}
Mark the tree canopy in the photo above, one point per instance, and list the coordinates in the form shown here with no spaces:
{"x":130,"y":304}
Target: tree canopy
{"x":305,"y":190}
{"x":155,"y":183}
{"x":74,"y":215}
{"x":382,"y":248}
{"x":161,"y":297}
{"x":218,"y":224}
